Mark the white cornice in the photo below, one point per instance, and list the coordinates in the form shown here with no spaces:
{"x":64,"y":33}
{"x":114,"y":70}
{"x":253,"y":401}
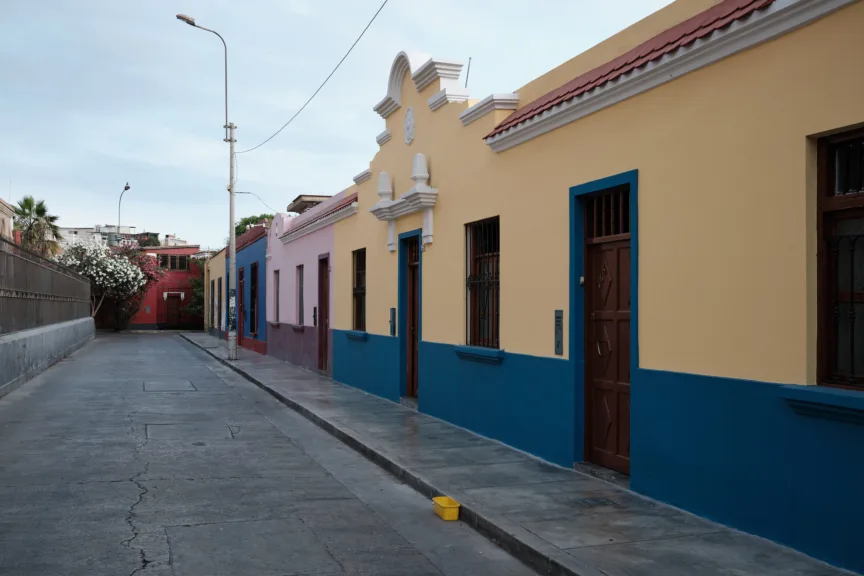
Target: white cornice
{"x":362,"y":176}
{"x":386,"y":107}
{"x":779,"y":18}
{"x":489,"y":104}
{"x":447,"y":70}
{"x":315,"y":225}
{"x":444,"y":96}
{"x":383,"y":138}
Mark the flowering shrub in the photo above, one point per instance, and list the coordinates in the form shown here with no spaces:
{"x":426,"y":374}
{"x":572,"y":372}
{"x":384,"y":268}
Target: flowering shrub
{"x":152,"y":272}
{"x":111,"y":275}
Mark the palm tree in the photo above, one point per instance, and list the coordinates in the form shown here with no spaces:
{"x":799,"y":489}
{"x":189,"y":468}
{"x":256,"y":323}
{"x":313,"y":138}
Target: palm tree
{"x":39,"y":230}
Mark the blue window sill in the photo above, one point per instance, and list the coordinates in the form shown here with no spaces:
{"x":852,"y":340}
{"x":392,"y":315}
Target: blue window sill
{"x":478,"y":354}
{"x":824,"y":402}
{"x":356,"y":335}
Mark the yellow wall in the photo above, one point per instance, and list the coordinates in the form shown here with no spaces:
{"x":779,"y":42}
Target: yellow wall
{"x":214,"y":270}
{"x":726,"y":218}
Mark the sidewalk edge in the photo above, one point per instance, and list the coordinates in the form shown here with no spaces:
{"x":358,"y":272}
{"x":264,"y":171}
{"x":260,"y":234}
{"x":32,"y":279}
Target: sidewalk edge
{"x":551,"y":561}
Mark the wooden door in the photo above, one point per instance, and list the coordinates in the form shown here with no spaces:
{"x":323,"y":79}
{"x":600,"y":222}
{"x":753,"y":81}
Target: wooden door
{"x":413,"y":316}
{"x":323,"y":312}
{"x":241,"y":309}
{"x":172,"y":311}
{"x":607,"y":354}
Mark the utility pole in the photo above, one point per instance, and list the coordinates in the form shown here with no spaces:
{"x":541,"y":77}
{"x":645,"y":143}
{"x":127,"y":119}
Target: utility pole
{"x":232,"y":244}
{"x":232,"y":252}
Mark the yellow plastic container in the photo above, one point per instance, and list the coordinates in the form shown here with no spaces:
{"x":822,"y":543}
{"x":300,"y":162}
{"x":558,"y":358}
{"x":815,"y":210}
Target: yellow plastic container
{"x":446,"y":508}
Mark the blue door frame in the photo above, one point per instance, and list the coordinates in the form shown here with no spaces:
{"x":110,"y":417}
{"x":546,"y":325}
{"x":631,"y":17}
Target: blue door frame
{"x":402,"y":322}
{"x":577,"y":292}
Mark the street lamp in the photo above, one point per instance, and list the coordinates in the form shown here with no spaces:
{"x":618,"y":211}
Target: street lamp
{"x":125,"y":188}
{"x":232,"y":244}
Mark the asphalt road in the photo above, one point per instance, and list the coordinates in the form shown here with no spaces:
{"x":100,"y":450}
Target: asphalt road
{"x":141,"y":455}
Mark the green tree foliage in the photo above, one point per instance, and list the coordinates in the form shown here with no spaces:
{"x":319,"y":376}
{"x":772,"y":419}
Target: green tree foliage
{"x":39,"y":230}
{"x":149,"y":241}
{"x":250,"y":221}
{"x":196,"y":304}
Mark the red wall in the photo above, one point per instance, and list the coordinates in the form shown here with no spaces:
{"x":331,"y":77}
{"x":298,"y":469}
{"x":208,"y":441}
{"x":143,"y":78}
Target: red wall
{"x":152,"y":315}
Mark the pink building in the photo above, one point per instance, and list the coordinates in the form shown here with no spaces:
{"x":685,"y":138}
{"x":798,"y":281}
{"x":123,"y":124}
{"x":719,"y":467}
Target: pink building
{"x":299,"y":280}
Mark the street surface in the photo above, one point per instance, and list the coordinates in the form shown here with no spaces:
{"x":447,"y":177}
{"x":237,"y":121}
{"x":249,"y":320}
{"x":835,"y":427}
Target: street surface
{"x":141,"y":455}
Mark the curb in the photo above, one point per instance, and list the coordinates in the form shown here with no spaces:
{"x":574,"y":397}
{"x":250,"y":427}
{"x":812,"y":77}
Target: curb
{"x":529,"y":549}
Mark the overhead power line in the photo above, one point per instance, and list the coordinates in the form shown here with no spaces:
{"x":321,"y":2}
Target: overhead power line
{"x":322,"y":84}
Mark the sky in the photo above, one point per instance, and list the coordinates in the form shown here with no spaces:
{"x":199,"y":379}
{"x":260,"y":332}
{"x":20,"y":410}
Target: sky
{"x":97,"y":93}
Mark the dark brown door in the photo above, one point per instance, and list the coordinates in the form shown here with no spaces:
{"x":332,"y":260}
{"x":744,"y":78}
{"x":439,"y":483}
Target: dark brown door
{"x":608,"y":353}
{"x":323,"y":312}
{"x":241,"y":309}
{"x":172,"y":309}
{"x":413,"y":316}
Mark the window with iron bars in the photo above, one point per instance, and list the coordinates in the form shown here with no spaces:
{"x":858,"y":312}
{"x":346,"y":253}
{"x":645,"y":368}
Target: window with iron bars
{"x":840,"y":181}
{"x":482,"y":240}
{"x":359,"y":289}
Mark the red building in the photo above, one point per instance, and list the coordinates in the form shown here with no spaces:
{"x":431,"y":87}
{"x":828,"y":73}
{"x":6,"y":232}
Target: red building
{"x":163,"y":305}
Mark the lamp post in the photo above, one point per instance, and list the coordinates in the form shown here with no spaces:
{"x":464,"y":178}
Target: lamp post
{"x":232,"y":244}
{"x":125,"y":188}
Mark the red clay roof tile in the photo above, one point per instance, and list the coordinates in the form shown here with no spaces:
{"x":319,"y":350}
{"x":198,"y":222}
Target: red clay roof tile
{"x":682,"y":34}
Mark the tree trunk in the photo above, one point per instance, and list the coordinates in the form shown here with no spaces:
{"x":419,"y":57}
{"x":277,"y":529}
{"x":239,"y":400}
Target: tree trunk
{"x":95,"y":307}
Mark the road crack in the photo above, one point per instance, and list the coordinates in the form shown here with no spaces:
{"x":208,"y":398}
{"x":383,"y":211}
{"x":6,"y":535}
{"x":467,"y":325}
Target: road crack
{"x":130,"y":514}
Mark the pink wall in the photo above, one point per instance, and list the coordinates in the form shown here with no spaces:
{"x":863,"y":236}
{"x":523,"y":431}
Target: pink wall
{"x":285,"y":258}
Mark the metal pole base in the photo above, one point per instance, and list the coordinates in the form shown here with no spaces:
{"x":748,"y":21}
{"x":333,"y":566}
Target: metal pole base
{"x":232,"y":346}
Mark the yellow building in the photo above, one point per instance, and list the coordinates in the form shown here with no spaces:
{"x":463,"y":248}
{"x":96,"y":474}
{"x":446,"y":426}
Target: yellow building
{"x":215,"y":295}
{"x":644,"y":259}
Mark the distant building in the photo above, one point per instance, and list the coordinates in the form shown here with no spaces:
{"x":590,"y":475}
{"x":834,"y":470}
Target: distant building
{"x":100,"y":234}
{"x":163,"y":307}
{"x":172,"y":240}
{"x":7,"y":212}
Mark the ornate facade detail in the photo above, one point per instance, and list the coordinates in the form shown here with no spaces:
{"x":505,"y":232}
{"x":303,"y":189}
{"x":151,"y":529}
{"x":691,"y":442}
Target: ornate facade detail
{"x":444,"y":96}
{"x":362,"y":177}
{"x":383,"y":138}
{"x":421,"y":197}
{"x":409,"y":125}
{"x":489,"y":104}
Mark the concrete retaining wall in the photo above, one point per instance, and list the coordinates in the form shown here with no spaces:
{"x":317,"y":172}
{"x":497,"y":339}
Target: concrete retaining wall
{"x":28,"y":352}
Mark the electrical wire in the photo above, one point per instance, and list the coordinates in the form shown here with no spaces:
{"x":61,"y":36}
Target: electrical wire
{"x":322,"y":84}
{"x":260,"y":200}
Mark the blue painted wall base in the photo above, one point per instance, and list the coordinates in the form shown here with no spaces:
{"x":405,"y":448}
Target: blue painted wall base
{"x":525,"y":401}
{"x":737,"y":452}
{"x":371,"y":364}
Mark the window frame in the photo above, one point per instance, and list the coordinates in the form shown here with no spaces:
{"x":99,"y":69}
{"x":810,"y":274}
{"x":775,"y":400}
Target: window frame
{"x":358,"y":289}
{"x":831,"y":209}
{"x":219,"y":303}
{"x":253,"y":298}
{"x":475,"y":324}
{"x":276,"y":281}
{"x":299,"y":277}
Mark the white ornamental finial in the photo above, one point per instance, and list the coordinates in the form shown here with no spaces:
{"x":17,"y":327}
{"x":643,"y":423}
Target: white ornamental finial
{"x":419,"y":172}
{"x":385,"y":188}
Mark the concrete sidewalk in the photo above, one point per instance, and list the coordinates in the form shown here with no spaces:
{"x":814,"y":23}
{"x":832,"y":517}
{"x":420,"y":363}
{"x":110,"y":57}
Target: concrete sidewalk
{"x":556,"y":520}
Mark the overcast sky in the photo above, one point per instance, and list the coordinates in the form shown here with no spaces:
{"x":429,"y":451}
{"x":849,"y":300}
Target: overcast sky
{"x":94,"y":93}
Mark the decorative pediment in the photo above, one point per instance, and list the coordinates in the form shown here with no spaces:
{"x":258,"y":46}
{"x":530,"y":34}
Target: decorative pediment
{"x":420,"y":198}
{"x":445,"y":72}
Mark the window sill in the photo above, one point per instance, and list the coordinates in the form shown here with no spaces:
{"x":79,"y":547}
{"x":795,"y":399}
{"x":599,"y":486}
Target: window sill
{"x":478,"y":354}
{"x":275,"y":325}
{"x":356,"y":335}
{"x":825,"y":402}
{"x":297,"y":327}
